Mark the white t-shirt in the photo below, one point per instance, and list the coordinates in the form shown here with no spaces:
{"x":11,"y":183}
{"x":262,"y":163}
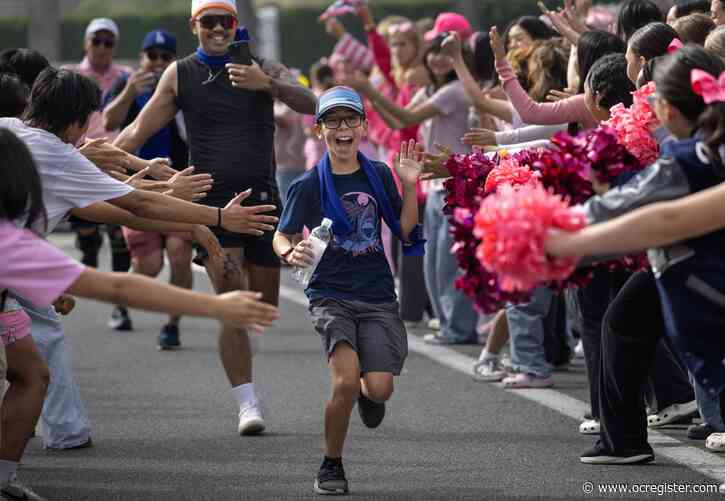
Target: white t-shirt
{"x":69,"y":179}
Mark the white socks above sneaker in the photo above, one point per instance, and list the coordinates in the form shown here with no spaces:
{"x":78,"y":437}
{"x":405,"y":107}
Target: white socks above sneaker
{"x":486,"y":356}
{"x":244,"y":395}
{"x":8,"y":471}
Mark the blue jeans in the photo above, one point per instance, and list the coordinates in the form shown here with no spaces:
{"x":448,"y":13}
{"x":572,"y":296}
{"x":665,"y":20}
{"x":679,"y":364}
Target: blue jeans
{"x":284,"y":180}
{"x":526,"y":331}
{"x":453,"y":308}
{"x":64,"y":417}
{"x":708,"y":406}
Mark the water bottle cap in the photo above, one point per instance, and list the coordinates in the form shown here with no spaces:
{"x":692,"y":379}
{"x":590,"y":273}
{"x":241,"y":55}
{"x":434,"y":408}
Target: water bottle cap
{"x":326,"y":223}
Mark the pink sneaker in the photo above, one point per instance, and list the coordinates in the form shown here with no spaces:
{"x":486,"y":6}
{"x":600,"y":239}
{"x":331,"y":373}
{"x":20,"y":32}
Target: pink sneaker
{"x":523,"y":380}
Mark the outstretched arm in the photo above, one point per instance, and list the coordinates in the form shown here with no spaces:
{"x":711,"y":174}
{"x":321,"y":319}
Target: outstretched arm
{"x":655,"y":225}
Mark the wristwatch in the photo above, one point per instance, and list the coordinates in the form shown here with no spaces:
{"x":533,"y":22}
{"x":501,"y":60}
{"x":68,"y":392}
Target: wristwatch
{"x":286,"y":254}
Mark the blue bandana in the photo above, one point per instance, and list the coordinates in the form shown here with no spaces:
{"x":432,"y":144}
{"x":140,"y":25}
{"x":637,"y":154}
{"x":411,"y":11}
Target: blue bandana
{"x":333,"y":209}
{"x":218,"y":62}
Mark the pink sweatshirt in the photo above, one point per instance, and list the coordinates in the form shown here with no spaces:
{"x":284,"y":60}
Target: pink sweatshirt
{"x":571,"y":109}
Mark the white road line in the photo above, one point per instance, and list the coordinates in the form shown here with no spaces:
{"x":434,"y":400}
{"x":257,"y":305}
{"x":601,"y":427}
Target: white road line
{"x":706,"y":463}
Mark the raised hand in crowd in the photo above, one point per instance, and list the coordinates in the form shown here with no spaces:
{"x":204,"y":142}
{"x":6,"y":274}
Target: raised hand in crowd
{"x":499,"y":51}
{"x":366,"y":17}
{"x":434,"y":164}
{"x":250,"y":220}
{"x":565,"y":21}
{"x":245,"y":310}
{"x":451,"y":46}
{"x":357,"y":80}
{"x":105,"y":156}
{"x":160,"y":168}
{"x":480,"y":137}
{"x":141,"y":82}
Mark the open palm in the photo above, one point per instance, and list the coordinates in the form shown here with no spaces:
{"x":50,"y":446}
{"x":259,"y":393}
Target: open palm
{"x":410,"y":166}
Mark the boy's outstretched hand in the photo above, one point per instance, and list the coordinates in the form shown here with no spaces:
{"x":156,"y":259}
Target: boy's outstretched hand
{"x":410,"y":162}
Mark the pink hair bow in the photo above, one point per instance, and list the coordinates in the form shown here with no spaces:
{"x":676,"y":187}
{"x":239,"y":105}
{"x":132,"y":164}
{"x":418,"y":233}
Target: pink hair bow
{"x":675,"y":45}
{"x":400,"y":28}
{"x":710,"y":88}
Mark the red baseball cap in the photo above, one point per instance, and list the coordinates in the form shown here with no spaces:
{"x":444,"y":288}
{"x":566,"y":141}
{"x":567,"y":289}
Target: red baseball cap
{"x":449,"y":22}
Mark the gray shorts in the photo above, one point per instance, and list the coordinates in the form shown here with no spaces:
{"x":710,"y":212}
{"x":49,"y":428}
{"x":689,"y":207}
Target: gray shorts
{"x":375,"y":332}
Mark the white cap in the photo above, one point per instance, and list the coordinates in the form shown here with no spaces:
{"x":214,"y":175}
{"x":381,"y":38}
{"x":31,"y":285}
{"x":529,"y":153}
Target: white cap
{"x":197,"y":6}
{"x":102,"y":24}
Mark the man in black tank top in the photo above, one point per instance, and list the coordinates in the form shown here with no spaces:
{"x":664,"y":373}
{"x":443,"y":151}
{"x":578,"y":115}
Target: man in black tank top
{"x":229,"y":116}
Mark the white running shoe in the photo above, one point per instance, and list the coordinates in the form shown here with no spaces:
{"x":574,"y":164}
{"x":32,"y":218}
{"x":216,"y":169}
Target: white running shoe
{"x":251,"y":421}
{"x":579,"y":350}
{"x":489,"y":370}
{"x":715,"y":442}
{"x":434,"y":324}
{"x":589,"y":427}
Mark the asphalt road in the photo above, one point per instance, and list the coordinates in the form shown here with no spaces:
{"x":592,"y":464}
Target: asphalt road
{"x":164,"y":426}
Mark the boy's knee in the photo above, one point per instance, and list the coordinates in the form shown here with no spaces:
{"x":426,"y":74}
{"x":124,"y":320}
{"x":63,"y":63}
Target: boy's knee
{"x":346,"y":387}
{"x":379,"y":391}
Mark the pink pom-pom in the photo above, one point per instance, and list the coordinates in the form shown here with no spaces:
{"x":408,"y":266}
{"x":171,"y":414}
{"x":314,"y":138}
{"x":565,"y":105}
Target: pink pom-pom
{"x":508,"y":172}
{"x":634,"y":125}
{"x":512,"y":225}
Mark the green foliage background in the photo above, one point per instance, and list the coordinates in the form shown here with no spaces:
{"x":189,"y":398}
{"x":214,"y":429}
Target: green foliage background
{"x":303,"y":37}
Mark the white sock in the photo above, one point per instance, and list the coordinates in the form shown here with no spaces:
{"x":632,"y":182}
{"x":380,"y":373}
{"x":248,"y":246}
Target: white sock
{"x":244,"y":394}
{"x":487,"y":355}
{"x":8,"y":469}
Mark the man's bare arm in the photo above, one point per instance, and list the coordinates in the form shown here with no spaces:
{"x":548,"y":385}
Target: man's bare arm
{"x":159,"y":111}
{"x":286,"y":89}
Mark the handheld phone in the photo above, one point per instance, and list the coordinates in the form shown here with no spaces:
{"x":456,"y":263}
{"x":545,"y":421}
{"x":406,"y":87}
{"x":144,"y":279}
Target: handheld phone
{"x":240,"y":53}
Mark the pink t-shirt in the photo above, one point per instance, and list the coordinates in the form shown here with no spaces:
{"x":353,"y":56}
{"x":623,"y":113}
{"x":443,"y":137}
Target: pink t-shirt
{"x":32,"y":267}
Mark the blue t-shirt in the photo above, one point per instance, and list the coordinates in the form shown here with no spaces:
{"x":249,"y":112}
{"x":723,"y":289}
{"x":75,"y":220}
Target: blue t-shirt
{"x":354,"y":267}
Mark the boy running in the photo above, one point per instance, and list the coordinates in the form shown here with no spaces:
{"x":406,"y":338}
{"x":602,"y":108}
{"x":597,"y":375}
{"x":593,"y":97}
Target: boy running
{"x":352,"y":294}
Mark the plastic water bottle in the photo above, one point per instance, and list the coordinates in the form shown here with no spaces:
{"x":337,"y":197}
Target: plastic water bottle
{"x":319,"y":238}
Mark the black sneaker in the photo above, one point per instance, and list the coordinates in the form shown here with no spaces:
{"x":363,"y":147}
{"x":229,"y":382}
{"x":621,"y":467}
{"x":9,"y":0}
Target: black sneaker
{"x":700,"y":431}
{"x":331,"y":480}
{"x":371,"y":413}
{"x":119,"y":320}
{"x":169,"y":337}
{"x":599,"y":454}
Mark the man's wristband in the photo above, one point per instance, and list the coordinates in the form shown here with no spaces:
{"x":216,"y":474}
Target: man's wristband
{"x":219,"y":217}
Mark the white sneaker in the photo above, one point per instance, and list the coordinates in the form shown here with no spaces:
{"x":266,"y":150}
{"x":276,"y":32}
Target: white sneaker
{"x":579,"y":350}
{"x":715,"y":442}
{"x":434,"y":324}
{"x":674,"y":412}
{"x":251,"y":421}
{"x":489,"y":370}
{"x":589,"y":427}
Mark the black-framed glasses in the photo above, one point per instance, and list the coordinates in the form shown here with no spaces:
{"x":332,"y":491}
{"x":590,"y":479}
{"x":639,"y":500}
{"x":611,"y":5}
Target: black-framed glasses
{"x":109,"y":43}
{"x":210,"y":22}
{"x":153,"y":55}
{"x":352,"y":122}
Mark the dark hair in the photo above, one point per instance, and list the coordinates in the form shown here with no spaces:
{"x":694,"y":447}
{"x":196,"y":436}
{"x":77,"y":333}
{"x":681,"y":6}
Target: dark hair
{"x":608,"y":79}
{"x":13,"y":95}
{"x":688,"y":7}
{"x":694,"y":28}
{"x":435,"y":48}
{"x":484,"y":69}
{"x":21,"y":193}
{"x":322,"y":74}
{"x":592,"y":46}
{"x":61,"y":98}
{"x":535,"y":27}
{"x":26,"y":63}
{"x":647,"y":74}
{"x":635,"y":14}
{"x":672,"y":79}
{"x":652,"y":40}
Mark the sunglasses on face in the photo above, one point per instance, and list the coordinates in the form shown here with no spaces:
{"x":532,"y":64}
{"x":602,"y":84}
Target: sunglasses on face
{"x":109,"y":43}
{"x":210,"y":22}
{"x":352,"y":122}
{"x":154,"y":55}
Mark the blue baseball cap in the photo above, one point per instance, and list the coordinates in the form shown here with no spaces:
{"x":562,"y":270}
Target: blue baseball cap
{"x":339,"y":97}
{"x":160,"y":39}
